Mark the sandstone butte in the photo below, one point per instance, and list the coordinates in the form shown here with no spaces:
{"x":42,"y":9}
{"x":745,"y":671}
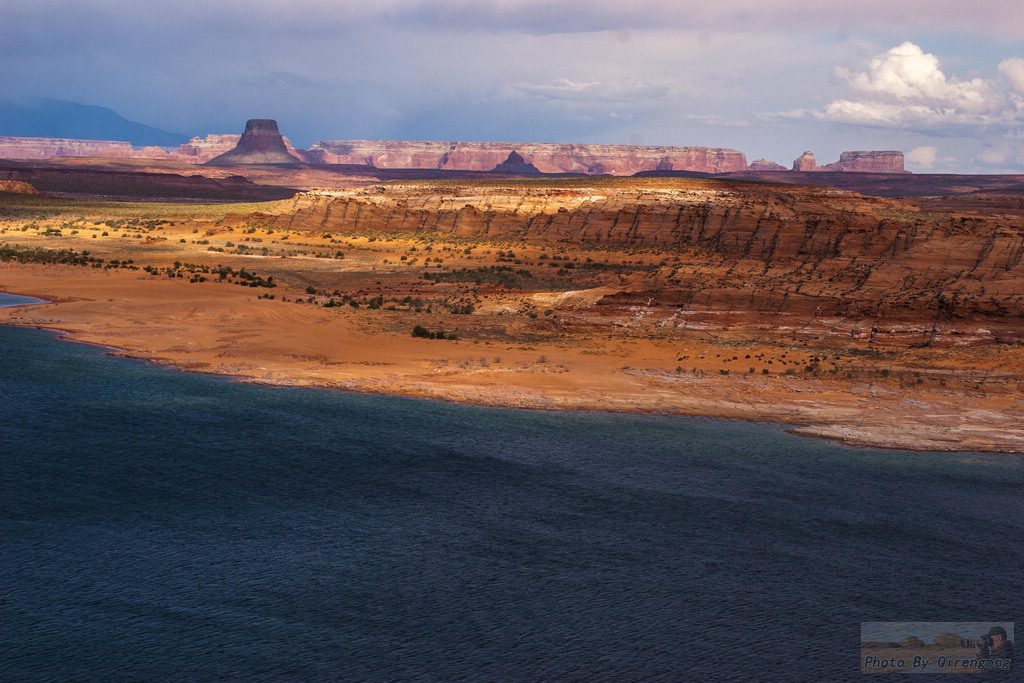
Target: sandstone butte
{"x":590,"y":159}
{"x":260,"y":143}
{"x":857,"y":162}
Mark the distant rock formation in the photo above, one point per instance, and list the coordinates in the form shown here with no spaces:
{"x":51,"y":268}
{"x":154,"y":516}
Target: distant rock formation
{"x":868,"y":162}
{"x":515,"y":165}
{"x":261,"y":143}
{"x":765,"y":165}
{"x":854,"y":162}
{"x":47,"y":148}
{"x":805,"y":162}
{"x":546,"y":157}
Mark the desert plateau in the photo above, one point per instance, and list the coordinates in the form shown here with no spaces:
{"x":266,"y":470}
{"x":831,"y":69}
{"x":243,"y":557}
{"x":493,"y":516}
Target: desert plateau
{"x":881,"y":321}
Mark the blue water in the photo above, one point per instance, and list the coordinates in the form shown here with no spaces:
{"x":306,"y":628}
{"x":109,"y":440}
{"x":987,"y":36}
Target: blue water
{"x":162,"y":526}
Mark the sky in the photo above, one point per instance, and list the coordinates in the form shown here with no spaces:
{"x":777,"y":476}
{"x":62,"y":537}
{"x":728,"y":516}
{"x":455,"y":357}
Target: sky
{"x":940,"y":80}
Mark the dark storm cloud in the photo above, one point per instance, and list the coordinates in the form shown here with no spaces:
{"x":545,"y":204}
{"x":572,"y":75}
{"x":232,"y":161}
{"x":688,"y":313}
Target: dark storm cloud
{"x":671,"y":72}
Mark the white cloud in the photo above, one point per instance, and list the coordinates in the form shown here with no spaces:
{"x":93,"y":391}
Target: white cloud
{"x":593,"y":92}
{"x":1013,"y":69}
{"x":923,"y":157}
{"x":906,"y":73}
{"x":906,"y":87}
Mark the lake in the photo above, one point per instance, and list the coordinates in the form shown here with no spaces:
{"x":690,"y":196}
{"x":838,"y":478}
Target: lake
{"x":165,"y":526}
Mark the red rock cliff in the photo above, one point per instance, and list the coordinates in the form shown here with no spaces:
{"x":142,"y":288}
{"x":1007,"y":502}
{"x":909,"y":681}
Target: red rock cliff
{"x":47,"y":148}
{"x":814,"y":253}
{"x":868,"y":162}
{"x":805,"y":162}
{"x":548,"y":158}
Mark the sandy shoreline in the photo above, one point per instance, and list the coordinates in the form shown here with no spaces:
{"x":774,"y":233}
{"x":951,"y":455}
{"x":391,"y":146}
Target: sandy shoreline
{"x":221,"y":329}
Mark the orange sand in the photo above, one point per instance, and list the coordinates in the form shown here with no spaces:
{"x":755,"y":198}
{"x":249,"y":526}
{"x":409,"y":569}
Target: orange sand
{"x":225,"y":329}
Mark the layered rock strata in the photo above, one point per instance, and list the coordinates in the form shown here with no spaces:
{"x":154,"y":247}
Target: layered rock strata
{"x":47,"y":148}
{"x":547,"y":158}
{"x":822,"y":262}
{"x":805,"y":162}
{"x":271,"y":148}
{"x":868,"y":162}
{"x":852,"y":162}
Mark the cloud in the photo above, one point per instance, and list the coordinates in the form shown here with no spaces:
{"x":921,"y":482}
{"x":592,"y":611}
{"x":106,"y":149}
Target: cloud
{"x":923,"y":157}
{"x":550,"y":17}
{"x":1013,"y":69}
{"x":593,"y":92}
{"x":907,"y":87}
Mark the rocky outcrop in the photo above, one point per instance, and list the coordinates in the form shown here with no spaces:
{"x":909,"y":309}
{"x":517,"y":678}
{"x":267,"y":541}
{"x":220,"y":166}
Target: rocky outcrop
{"x":765,"y":165}
{"x":547,"y":158}
{"x":515,"y":165}
{"x":261,"y":143}
{"x":868,"y":162}
{"x":805,"y":162}
{"x":17,"y":187}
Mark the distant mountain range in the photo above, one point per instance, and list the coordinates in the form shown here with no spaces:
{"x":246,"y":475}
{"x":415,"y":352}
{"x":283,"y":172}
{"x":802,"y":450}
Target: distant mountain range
{"x":50,"y":118}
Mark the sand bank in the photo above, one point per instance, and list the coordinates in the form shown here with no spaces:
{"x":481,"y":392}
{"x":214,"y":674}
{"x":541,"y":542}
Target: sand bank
{"x":223,"y":329}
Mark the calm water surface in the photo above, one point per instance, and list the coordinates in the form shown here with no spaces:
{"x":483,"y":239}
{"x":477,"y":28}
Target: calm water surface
{"x":161,"y":526}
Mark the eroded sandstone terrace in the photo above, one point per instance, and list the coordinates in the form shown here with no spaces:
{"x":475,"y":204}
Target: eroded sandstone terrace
{"x":894,"y":322}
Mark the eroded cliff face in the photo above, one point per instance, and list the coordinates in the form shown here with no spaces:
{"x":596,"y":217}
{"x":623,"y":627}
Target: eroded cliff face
{"x":852,"y":162}
{"x":619,"y":160}
{"x":195,"y":151}
{"x":47,"y":148}
{"x":805,"y":162}
{"x":823,"y":261}
{"x":548,"y":158}
{"x":867,"y":162}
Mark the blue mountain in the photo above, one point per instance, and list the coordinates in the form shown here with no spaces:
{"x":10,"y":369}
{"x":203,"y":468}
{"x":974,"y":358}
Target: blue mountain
{"x":50,"y":118}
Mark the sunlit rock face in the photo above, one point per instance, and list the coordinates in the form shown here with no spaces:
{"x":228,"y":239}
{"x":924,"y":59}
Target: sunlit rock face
{"x":47,"y":148}
{"x":261,"y":143}
{"x":805,"y":162}
{"x":868,"y":162}
{"x":853,"y":162}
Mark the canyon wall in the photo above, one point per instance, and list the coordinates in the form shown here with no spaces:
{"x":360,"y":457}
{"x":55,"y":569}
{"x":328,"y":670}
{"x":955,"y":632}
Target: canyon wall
{"x":547,"y":158}
{"x":868,"y":162}
{"x":196,"y":151}
{"x":47,"y":148}
{"x":621,"y":160}
{"x":833,"y":257}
